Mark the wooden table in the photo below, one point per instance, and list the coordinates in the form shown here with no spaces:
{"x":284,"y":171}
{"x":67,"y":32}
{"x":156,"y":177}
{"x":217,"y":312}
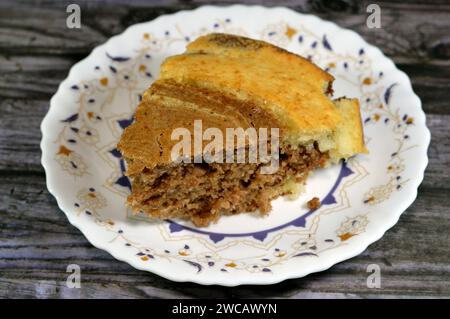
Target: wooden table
{"x":36,"y":240}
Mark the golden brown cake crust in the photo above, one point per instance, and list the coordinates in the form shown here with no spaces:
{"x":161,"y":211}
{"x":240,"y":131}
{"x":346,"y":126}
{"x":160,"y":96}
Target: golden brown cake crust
{"x":232,"y":81}
{"x":228,"y":81}
{"x":291,"y":86}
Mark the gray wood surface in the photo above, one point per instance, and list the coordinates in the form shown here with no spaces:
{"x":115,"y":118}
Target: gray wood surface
{"x":37,"y":242}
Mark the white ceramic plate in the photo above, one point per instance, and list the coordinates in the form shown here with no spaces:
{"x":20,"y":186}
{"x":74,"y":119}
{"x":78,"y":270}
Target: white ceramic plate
{"x":361,"y":199}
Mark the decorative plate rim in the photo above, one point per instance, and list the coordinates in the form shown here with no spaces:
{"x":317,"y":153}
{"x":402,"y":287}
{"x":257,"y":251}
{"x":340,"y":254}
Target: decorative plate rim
{"x":369,"y":238}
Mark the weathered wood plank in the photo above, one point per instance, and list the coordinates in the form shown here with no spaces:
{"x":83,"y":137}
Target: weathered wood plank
{"x":33,"y":77}
{"x":36,"y":240}
{"x":437,"y":173}
{"x":36,"y":63}
{"x":20,"y":134}
{"x":22,"y":30}
{"x":37,"y":245}
{"x":431,"y":82}
{"x":38,"y":77}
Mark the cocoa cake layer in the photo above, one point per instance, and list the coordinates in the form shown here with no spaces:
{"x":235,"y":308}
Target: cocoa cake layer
{"x":203,"y":192}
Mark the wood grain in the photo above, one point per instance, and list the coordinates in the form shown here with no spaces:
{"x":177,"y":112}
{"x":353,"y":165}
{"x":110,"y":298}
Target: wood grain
{"x":37,"y":242}
{"x":413,"y":259}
